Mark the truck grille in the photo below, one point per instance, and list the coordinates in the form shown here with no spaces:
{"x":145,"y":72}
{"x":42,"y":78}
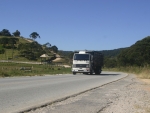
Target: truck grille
{"x":81,"y":65}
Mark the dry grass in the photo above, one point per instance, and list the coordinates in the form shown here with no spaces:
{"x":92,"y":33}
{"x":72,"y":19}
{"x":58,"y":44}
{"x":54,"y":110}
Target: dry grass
{"x":144,"y":74}
{"x":141,"y":72}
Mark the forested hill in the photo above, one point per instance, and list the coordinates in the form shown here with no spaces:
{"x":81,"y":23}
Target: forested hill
{"x":106,"y":53}
{"x":112,"y":53}
{"x":136,"y":55}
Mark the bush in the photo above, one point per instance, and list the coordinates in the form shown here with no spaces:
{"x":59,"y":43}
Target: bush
{"x":58,"y":68}
{"x":2,"y":51}
{"x":5,"y":74}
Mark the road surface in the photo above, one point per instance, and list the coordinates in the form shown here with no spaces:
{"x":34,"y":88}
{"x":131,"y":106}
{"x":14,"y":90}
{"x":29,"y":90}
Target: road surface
{"x":22,"y":93}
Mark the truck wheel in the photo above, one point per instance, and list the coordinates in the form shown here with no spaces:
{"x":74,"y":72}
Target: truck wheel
{"x":97,"y":72}
{"x":91,"y":72}
{"x":74,"y":73}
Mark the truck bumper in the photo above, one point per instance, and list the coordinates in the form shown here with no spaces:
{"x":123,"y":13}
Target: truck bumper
{"x":81,"y":70}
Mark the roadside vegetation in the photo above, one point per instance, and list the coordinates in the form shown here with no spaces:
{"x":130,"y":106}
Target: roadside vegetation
{"x":134,"y":59}
{"x":14,"y":47}
{"x":8,"y":69}
{"x":141,"y":72}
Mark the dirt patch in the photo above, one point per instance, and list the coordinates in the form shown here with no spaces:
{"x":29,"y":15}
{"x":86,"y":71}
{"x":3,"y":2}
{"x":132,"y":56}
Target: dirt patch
{"x":147,"y":81}
{"x":57,"y":59}
{"x":146,"y":85}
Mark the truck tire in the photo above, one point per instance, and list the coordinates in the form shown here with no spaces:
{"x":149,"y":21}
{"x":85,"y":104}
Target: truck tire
{"x":97,"y":72}
{"x":100,"y":72}
{"x":91,"y":73}
{"x":74,"y":73}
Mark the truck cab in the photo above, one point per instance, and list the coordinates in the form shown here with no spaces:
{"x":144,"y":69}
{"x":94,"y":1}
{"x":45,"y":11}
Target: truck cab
{"x":87,"y":62}
{"x":82,"y":63}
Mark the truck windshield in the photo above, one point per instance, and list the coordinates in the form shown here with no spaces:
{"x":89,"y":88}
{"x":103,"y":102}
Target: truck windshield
{"x":81,"y":57}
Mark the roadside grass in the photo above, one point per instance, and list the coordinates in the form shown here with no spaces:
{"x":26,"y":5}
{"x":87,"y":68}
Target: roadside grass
{"x":141,"y":72}
{"x":20,"y":69}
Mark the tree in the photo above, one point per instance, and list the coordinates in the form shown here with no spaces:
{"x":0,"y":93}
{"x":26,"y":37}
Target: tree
{"x":110,"y":62}
{"x":5,"y":32}
{"x":34,"y":35}
{"x":31,"y":51}
{"x":47,"y":47}
{"x":54,"y":48}
{"x":16,"y":33}
{"x":2,"y":50}
{"x":12,"y":42}
{"x":136,"y":55}
{"x":4,"y":41}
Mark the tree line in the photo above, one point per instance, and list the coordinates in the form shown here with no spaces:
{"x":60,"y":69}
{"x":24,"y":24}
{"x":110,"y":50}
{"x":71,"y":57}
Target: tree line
{"x":17,"y":33}
{"x":137,"y":54}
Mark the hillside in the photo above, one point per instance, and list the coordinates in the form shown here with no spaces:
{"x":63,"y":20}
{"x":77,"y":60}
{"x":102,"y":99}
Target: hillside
{"x":25,"y":49}
{"x":8,"y":51}
{"x":137,"y":54}
{"x":21,"y":39}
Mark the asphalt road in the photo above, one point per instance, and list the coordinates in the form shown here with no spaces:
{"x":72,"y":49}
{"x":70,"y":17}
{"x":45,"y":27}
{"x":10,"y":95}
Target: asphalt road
{"x":21,"y":93}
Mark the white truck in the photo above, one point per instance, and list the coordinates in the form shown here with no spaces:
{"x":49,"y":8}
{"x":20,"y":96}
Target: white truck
{"x":87,"y":62}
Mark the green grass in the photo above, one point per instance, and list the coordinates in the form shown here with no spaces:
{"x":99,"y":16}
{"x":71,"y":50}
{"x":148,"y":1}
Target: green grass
{"x":141,"y":72}
{"x":14,"y":69}
{"x":8,"y":54}
{"x":21,"y":40}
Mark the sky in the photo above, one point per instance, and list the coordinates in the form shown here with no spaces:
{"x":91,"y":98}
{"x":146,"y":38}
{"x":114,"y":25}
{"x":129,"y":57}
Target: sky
{"x":78,"y":24}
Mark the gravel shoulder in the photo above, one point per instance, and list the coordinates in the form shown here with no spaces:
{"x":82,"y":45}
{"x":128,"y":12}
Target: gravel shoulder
{"x":133,"y":98}
{"x":128,"y":95}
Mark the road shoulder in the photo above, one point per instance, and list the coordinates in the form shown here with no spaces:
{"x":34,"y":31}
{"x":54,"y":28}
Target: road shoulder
{"x":128,"y":95}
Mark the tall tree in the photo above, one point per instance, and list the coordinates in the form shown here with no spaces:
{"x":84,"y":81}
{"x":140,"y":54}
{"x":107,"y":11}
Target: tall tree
{"x":47,"y":47}
{"x":31,"y":51}
{"x":34,"y":35}
{"x":12,"y":42}
{"x":16,"y":33}
{"x":4,"y":41}
{"x":54,"y":48}
{"x":5,"y":32}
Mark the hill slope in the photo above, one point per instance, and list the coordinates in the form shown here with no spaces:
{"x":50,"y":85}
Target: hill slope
{"x":138,"y":54}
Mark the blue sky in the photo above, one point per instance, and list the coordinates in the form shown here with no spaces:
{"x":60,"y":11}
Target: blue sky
{"x":79,"y":24}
